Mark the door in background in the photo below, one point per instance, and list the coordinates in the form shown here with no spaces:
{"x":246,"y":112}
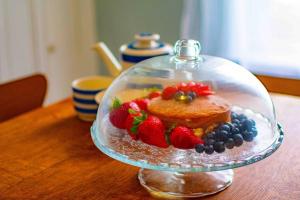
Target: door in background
{"x":50,"y":36}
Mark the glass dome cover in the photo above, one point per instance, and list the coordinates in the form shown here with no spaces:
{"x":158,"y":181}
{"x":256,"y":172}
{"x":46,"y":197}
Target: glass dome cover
{"x":223,"y":106}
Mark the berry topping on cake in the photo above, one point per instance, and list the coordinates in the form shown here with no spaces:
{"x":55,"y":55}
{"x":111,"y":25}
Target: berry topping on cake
{"x":154,"y":94}
{"x":186,"y":92}
{"x":183,"y":87}
{"x":191,"y":84}
{"x":142,"y":103}
{"x":169,"y":92}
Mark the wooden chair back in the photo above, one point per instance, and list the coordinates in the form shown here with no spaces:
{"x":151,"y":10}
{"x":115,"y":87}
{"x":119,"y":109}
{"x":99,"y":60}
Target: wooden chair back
{"x":22,"y":95}
{"x":281,"y":85}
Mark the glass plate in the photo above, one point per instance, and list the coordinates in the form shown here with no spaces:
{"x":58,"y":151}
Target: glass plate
{"x":118,"y":145}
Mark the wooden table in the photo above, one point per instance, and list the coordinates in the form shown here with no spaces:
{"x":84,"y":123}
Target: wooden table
{"x":49,"y":154}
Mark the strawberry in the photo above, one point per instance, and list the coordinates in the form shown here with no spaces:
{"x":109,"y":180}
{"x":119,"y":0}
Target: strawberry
{"x":152,"y":131}
{"x":183,"y":138}
{"x":132,"y":122}
{"x":183,"y":87}
{"x":202,"y":86}
{"x":205,"y":92}
{"x":191,"y":84}
{"x":154,"y":94}
{"x":119,"y":112}
{"x":169,"y":92}
{"x":201,"y":89}
{"x":142,"y":103}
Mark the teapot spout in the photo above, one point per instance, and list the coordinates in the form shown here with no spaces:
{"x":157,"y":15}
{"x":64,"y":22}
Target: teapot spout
{"x":108,"y":58}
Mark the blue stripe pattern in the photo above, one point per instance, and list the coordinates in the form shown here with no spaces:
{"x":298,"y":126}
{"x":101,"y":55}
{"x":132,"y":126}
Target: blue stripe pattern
{"x":84,"y":101}
{"x":131,"y":46}
{"x":145,"y":34}
{"x":87,"y":111}
{"x":89,"y":101}
{"x":136,"y":59}
{"x":92,"y":92}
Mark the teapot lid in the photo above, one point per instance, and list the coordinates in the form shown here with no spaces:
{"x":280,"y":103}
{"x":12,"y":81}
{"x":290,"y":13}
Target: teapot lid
{"x":145,"y":46}
{"x":146,"y":40}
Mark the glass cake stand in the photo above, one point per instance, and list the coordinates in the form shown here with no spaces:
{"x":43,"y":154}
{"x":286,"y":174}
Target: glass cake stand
{"x":180,"y":173}
{"x":172,"y":173}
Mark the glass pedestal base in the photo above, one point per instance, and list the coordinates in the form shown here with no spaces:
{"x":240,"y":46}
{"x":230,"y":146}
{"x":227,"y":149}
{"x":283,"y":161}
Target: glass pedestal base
{"x":175,"y":185}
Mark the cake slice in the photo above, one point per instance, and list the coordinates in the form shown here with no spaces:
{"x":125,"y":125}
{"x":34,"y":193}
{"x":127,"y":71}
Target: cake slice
{"x":200,"y":113}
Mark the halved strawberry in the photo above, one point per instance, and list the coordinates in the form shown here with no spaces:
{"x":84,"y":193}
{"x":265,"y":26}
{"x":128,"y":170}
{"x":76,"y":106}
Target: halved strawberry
{"x":183,"y":87}
{"x":152,"y":131}
{"x":142,"y":103}
{"x":202,"y":86}
{"x":201,"y":89}
{"x":183,"y":138}
{"x":169,"y":92}
{"x":191,"y":84}
{"x":205,"y":92}
{"x":154,"y":94}
{"x":119,"y":112}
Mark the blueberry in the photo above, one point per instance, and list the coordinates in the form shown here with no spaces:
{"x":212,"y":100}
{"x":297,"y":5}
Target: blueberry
{"x":207,"y":136}
{"x":242,"y":117}
{"x":229,"y":143}
{"x":225,"y":127}
{"x":238,"y":140}
{"x":247,"y":124}
{"x":229,"y":135}
{"x":178,"y":95}
{"x":235,"y":121}
{"x":192,"y":94}
{"x":235,"y":131}
{"x":200,"y":148}
{"x":229,"y":124}
{"x":234,"y":115}
{"x":221,"y":135}
{"x":223,"y":132}
{"x":237,"y":124}
{"x":254,"y":131}
{"x":209,"y":142}
{"x":243,"y":126}
{"x":209,"y":149}
{"x":219,"y":147}
{"x":188,"y":99}
{"x":248,"y":136}
{"x":252,"y":122}
{"x":211,"y":135}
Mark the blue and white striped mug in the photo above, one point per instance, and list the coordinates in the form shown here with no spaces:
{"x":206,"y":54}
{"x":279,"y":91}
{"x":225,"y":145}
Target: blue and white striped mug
{"x":84,"y":91}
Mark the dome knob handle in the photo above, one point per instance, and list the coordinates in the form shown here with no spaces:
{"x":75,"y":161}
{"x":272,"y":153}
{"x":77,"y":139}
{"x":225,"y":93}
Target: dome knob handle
{"x":187,"y":50}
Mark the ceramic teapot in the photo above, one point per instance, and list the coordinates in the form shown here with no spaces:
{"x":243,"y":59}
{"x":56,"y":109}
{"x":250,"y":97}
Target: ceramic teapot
{"x":145,"y":46}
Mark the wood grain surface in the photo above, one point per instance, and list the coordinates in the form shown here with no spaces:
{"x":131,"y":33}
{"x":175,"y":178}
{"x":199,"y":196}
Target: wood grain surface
{"x":280,"y":85}
{"x":48,"y":154}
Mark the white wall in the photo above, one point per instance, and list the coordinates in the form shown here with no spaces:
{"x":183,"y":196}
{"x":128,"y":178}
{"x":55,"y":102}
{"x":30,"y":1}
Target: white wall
{"x":119,"y":20}
{"x":49,"y":36}
{"x":16,"y":39}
